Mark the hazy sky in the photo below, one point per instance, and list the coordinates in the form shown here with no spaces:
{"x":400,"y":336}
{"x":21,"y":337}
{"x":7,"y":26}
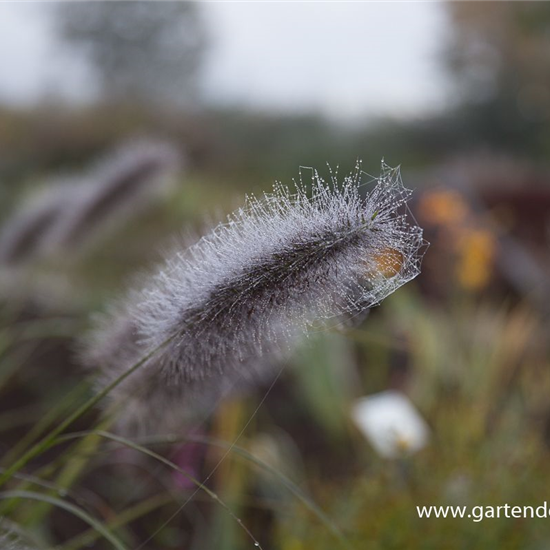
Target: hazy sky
{"x":344,"y":58}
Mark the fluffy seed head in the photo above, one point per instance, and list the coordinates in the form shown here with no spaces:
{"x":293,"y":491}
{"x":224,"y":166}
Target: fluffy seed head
{"x":21,"y":236}
{"x":114,"y":190}
{"x":66,"y":216}
{"x":243,"y":294}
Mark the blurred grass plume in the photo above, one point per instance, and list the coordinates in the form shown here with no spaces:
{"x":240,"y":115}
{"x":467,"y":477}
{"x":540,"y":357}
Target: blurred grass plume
{"x":76,"y":212}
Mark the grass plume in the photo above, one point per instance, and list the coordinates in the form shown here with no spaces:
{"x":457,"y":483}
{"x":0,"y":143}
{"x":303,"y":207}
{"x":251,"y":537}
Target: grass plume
{"x":69,"y":215}
{"x":243,"y":295}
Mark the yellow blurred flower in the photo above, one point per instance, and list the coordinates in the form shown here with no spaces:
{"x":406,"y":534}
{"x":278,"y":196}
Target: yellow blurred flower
{"x":443,"y":207}
{"x":476,"y":249}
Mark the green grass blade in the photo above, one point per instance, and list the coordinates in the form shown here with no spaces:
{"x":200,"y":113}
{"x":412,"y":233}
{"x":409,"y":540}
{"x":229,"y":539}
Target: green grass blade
{"x":170,"y":464}
{"x":71,"y":508}
{"x":49,"y":440}
{"x":287,"y":483}
{"x":89,"y":536}
{"x":44,"y":422}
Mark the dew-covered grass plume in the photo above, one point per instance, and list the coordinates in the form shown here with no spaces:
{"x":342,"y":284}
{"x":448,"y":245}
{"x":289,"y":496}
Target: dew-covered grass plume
{"x":225,"y":310}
